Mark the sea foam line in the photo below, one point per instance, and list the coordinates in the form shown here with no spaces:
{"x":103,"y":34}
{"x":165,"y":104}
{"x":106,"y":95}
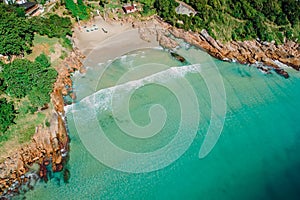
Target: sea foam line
{"x":102,"y":98}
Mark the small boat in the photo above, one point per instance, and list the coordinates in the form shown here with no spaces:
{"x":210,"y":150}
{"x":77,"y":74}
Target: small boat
{"x":105,"y":31}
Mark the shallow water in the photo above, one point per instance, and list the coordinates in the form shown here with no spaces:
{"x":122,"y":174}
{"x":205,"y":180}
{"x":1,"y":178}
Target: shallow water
{"x":256,"y":156}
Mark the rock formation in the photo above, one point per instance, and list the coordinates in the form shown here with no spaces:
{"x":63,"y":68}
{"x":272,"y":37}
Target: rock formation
{"x":247,"y":52}
{"x":49,"y":145}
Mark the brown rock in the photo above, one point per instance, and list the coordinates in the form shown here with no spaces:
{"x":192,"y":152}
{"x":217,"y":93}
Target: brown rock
{"x":210,"y":40}
{"x":47,"y":142}
{"x":58,"y":168}
{"x":58,"y":159}
{"x":73,"y":95}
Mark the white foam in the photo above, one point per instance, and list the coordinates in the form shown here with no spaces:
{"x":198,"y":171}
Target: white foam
{"x":159,"y":48}
{"x":125,"y":57}
{"x":68,"y":108}
{"x":280,"y":64}
{"x":77,"y":74}
{"x":102,"y":98}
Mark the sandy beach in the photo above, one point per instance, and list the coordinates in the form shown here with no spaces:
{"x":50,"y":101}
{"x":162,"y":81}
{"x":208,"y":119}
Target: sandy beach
{"x":119,"y":39}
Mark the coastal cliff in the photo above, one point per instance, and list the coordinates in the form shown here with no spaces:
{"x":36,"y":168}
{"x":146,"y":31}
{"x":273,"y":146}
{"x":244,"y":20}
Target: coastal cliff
{"x":264,"y":55}
{"x":48,"y":149}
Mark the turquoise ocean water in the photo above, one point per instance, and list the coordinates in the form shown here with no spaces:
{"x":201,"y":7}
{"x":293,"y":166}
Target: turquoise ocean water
{"x":256,"y":156}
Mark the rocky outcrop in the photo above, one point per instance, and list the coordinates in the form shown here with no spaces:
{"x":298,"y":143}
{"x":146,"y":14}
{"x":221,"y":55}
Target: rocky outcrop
{"x":164,"y":40}
{"x":49,"y":147}
{"x":178,"y":57}
{"x":247,"y":52}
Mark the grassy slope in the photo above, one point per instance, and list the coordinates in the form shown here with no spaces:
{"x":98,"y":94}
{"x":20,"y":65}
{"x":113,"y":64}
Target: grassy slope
{"x":25,"y":123}
{"x":224,"y":27}
{"x":228,"y":20}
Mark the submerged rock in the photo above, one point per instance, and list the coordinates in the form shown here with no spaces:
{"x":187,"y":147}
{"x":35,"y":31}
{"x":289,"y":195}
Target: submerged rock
{"x":282,"y":72}
{"x":178,"y":57}
{"x":67,"y":175}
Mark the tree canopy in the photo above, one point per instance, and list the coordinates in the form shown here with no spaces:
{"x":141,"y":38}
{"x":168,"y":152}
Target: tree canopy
{"x":43,"y":60}
{"x":238,"y":19}
{"x":78,"y":10}
{"x":22,"y":80}
{"x":52,"y":26}
{"x":15,"y":35}
{"x":17,"y":31}
{"x":35,"y":79}
{"x":7,"y":114}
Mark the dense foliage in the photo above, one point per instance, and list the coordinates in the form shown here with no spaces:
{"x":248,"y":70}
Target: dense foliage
{"x":7,"y":115}
{"x":43,"y":60}
{"x":52,"y":26}
{"x":17,"y":32}
{"x":167,"y":10}
{"x":35,"y":79}
{"x":15,"y":35}
{"x":25,"y":83}
{"x":77,"y":10}
{"x":237,"y":19}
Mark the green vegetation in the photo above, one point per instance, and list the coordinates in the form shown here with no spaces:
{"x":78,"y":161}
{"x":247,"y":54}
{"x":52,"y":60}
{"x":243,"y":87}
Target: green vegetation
{"x":148,"y":7}
{"x":15,"y":35}
{"x":35,"y":79}
{"x":77,"y":10}
{"x":29,"y":129}
{"x":166,"y":9}
{"x":17,"y":32}
{"x":43,"y":60}
{"x":26,"y":134}
{"x":43,"y":44}
{"x":27,"y":81}
{"x":238,"y":19}
{"x":47,"y":124}
{"x":39,"y":39}
{"x":25,"y":85}
{"x":24,"y":126}
{"x":7,"y":115}
{"x":52,"y":26}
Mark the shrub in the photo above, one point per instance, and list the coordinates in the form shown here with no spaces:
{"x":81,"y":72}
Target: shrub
{"x":7,"y":114}
{"x":43,"y":60}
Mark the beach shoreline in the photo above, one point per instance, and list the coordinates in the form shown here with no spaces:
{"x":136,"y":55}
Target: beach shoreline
{"x":51,"y":145}
{"x":125,"y":35}
{"x":121,"y":38}
{"x":113,"y":39}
